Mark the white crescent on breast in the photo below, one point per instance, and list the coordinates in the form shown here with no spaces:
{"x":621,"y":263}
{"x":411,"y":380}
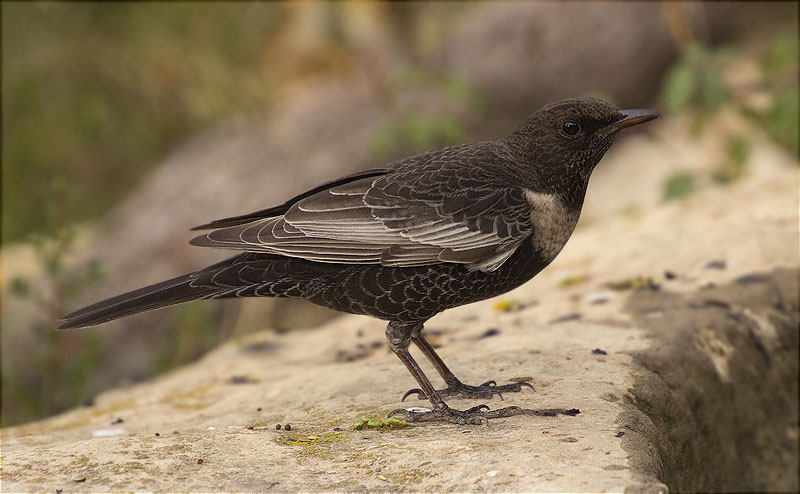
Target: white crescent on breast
{"x":553,"y":223}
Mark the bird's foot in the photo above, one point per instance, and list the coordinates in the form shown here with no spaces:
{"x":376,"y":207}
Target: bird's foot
{"x":477,"y":415}
{"x":485,"y":391}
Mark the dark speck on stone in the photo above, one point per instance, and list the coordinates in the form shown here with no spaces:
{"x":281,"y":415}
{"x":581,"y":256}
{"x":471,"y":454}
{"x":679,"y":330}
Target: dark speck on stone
{"x":489,"y":332}
{"x":277,"y":427}
{"x":750,"y":278}
{"x":670,"y":275}
{"x":717,"y":303}
{"x":258,"y":409}
{"x":569,"y":317}
{"x":597,"y":351}
{"x":716,"y":264}
{"x":118,"y":421}
{"x":240,"y":380}
{"x":619,"y":434}
{"x":288,"y":427}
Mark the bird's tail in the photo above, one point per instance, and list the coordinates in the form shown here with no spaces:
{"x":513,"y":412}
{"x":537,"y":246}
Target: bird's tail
{"x":170,"y":292}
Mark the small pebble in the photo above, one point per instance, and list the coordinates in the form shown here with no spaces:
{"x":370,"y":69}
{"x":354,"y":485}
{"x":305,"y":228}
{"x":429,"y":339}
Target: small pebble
{"x":157,"y":434}
{"x":670,"y":275}
{"x":59,"y":491}
{"x":382,"y":477}
{"x":466,"y":431}
{"x":175,"y":432}
{"x":277,"y":427}
{"x":109,"y":432}
{"x":619,"y":434}
{"x":78,"y":477}
{"x":597,"y":351}
{"x":599,"y":298}
{"x":489,"y":333}
{"x":118,"y":421}
{"x":258,"y":409}
{"x":288,"y":427}
{"x":492,"y":473}
{"x":716,"y":264}
{"x":569,"y":317}
{"x":337,"y":429}
{"x":750,"y":278}
{"x":212,"y":428}
{"x":199,"y":461}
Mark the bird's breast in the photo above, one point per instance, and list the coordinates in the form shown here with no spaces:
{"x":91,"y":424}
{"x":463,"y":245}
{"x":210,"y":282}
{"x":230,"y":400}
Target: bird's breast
{"x":552,"y":222}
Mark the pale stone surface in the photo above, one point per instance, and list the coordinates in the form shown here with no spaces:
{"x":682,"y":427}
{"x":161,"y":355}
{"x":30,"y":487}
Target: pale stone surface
{"x":324,"y":379}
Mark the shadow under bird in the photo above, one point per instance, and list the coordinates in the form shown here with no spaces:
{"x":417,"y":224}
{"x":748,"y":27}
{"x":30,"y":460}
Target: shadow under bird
{"x":404,"y":242}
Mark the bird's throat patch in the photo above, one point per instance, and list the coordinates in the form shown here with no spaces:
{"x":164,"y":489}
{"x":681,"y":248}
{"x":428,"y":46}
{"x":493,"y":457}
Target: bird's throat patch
{"x":553,"y":223}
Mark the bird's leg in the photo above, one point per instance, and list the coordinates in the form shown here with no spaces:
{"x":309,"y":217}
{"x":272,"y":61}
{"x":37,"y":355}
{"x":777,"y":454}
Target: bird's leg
{"x":454,"y":386}
{"x":399,"y":337}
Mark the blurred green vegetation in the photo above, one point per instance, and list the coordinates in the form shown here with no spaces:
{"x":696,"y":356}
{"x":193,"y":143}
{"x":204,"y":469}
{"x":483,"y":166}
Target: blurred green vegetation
{"x":100,"y":93}
{"x":678,"y":185}
{"x":65,"y":364}
{"x":696,"y":85}
{"x":779,"y":68}
{"x":419,"y":130}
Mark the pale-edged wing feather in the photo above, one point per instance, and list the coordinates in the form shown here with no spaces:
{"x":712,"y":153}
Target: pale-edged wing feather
{"x":372,"y":220}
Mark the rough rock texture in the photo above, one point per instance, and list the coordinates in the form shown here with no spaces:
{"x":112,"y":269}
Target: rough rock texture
{"x":719,"y":383}
{"x":693,"y":385}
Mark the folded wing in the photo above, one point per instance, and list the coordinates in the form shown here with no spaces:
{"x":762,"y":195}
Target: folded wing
{"x":375,"y":220}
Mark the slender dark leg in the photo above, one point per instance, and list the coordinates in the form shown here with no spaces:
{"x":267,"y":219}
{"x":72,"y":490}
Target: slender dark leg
{"x":454,"y":386}
{"x":399,"y":336}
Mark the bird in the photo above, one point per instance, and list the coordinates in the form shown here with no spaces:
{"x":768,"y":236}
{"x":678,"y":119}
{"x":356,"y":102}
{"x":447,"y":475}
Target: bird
{"x":409,"y":240}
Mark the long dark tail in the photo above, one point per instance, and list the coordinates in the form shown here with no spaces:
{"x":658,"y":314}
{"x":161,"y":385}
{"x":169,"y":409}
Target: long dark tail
{"x":170,"y":292}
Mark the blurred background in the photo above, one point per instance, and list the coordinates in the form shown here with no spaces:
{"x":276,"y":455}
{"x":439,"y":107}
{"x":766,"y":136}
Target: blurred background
{"x":126,"y":124}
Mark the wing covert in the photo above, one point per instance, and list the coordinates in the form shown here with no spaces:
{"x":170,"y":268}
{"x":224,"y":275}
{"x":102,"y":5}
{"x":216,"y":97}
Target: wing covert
{"x":386,"y":220}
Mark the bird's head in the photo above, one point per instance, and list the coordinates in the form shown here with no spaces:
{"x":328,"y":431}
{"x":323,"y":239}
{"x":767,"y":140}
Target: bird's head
{"x":565,"y":140}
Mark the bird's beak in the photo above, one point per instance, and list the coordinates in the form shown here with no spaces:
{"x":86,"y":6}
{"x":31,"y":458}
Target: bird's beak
{"x":629,"y":119}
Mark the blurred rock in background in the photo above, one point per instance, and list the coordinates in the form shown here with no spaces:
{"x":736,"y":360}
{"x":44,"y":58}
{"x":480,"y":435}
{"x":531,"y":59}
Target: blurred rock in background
{"x":126,"y":124}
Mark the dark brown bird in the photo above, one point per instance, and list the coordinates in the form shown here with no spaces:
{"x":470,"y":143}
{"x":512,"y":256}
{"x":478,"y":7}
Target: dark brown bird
{"x":405,"y":242}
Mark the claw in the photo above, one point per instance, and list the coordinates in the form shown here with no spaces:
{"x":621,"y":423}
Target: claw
{"x":478,"y":408}
{"x":420,"y":394}
{"x":397,"y":411}
{"x":485,"y":391}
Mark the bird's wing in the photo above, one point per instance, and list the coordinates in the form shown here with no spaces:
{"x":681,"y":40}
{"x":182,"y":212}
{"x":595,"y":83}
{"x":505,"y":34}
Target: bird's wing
{"x":389,"y":221}
{"x":278,"y":210}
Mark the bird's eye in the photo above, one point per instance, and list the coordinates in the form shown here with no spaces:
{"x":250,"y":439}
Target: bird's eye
{"x":570,"y":128}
